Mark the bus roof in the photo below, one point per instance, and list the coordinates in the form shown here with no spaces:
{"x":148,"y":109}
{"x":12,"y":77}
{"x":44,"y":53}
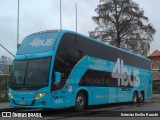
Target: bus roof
{"x":68,"y":31}
{"x":98,"y":41}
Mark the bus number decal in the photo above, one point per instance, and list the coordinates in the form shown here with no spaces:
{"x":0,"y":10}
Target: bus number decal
{"x":58,"y":101}
{"x":123,"y":74}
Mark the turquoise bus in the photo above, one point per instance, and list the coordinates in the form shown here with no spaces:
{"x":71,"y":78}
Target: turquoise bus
{"x":60,"y":69}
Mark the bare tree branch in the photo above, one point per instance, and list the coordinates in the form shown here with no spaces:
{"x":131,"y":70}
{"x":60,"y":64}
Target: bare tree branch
{"x":122,"y":23}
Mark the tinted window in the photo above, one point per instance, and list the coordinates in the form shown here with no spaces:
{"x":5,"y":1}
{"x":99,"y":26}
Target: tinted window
{"x":101,"y":51}
{"x":100,"y":79}
{"x":30,"y":74}
{"x":68,"y":42}
{"x":62,"y":61}
{"x":66,"y":58}
{"x":37,"y":73}
{"x":18,"y":73}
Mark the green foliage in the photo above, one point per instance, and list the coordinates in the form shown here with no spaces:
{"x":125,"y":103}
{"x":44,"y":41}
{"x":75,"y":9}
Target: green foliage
{"x":3,"y":96}
{"x":122,"y":23}
{"x":156,"y":87}
{"x":3,"y":88}
{"x":156,"y":91}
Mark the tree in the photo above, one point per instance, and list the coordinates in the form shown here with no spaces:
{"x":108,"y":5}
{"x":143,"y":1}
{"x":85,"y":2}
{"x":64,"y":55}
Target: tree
{"x":122,"y":23}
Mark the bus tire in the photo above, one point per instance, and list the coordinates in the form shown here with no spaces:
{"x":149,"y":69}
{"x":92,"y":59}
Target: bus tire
{"x":135,"y":98}
{"x":80,"y":102}
{"x":141,"y":98}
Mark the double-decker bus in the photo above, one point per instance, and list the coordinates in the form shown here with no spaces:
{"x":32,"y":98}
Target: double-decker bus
{"x":59,"y":69}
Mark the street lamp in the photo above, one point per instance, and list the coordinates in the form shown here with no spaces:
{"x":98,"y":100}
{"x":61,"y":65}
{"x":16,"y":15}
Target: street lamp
{"x":18,"y":26}
{"x":60,"y":15}
{"x":76,"y":16}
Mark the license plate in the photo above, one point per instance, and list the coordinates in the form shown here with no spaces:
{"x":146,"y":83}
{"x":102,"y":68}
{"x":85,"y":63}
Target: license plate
{"x":22,"y":102}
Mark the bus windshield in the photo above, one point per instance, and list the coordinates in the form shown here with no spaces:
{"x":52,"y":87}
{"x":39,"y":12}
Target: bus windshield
{"x":30,"y":74}
{"x":38,"y":43}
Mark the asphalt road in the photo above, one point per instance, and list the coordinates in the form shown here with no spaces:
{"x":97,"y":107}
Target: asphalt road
{"x":102,"y":112}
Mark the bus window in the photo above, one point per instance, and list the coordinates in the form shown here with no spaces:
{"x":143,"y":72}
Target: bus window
{"x":66,"y":58}
{"x":61,"y":64}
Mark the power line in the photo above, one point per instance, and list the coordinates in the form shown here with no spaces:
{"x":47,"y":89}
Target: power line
{"x":7,"y":50}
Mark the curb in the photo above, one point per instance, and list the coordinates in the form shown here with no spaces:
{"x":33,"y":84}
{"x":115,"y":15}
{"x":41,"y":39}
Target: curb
{"x":9,"y":109}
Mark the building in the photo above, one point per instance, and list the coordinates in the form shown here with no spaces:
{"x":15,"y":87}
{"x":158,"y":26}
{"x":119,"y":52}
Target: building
{"x":155,"y":59}
{"x":5,"y":65}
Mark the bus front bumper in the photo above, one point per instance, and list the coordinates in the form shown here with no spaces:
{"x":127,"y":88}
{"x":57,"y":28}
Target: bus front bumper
{"x":32,"y":107}
{"x":40,"y":104}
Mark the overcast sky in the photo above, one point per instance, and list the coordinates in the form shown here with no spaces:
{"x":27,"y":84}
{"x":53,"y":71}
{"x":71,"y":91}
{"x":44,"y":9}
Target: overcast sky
{"x":38,"y":15}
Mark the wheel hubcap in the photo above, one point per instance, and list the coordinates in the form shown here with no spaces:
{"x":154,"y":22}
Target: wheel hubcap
{"x":80,"y":101}
{"x":135,"y":99}
{"x":141,"y":97}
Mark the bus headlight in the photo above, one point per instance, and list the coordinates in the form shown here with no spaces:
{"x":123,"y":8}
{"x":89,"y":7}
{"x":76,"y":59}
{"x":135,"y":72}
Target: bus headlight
{"x":10,"y":95}
{"x":39,"y":96}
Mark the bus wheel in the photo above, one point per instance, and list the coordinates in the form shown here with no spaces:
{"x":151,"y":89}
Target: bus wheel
{"x":135,"y":97}
{"x":141,"y":98}
{"x":80,"y":101}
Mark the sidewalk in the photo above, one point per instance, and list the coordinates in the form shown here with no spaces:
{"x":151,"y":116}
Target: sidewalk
{"x":4,"y":105}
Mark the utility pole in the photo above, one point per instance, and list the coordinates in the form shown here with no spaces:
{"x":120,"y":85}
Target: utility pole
{"x":76,"y":16}
{"x":60,"y":15}
{"x":18,"y":26}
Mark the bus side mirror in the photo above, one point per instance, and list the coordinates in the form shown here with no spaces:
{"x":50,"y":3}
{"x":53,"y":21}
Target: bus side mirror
{"x":57,"y":77}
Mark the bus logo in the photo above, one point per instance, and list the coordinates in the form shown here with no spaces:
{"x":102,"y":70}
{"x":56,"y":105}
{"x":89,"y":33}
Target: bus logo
{"x":124,"y":76}
{"x":41,"y":42}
